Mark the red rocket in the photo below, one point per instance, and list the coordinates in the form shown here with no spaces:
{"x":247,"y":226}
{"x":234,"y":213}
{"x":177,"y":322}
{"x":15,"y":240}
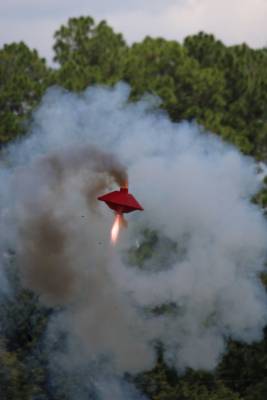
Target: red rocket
{"x":121,"y":202}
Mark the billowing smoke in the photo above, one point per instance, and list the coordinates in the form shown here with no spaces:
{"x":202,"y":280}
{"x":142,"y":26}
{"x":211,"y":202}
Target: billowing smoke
{"x":186,"y":271}
{"x":45,"y":236}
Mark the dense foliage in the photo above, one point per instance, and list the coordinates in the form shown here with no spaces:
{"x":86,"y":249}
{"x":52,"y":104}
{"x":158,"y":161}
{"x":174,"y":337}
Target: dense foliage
{"x":222,"y":88}
{"x":23,"y":79}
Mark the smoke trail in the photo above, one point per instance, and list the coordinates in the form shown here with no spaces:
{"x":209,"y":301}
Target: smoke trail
{"x":185,"y":272}
{"x":44,"y":233}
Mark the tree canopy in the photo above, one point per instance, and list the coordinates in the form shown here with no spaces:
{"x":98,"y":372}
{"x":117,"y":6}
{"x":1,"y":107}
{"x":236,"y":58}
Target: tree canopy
{"x":24,"y":77}
{"x":223,"y":88}
{"x":88,"y":53}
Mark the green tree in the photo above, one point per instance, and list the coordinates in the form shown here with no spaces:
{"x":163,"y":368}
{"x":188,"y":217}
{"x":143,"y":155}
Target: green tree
{"x":23,"y":358}
{"x":165,"y":69}
{"x":23,"y":80}
{"x":243,"y":118}
{"x":12,"y":384}
{"x":163,"y":383}
{"x":88,"y":53}
{"x":243,"y":368}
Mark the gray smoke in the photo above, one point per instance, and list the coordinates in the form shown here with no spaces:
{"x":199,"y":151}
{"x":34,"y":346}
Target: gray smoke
{"x":45,"y":224}
{"x":202,"y":267}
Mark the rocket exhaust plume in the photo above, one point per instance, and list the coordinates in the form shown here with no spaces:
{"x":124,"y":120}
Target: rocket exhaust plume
{"x":200,"y":245}
{"x":118,"y":224}
{"x":115,"y":228}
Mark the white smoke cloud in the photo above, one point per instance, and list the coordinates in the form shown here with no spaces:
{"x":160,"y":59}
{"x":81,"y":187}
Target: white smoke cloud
{"x":195,"y":189}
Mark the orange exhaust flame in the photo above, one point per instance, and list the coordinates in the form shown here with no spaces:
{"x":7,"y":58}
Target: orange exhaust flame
{"x":119,"y":223}
{"x":116,"y":228}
